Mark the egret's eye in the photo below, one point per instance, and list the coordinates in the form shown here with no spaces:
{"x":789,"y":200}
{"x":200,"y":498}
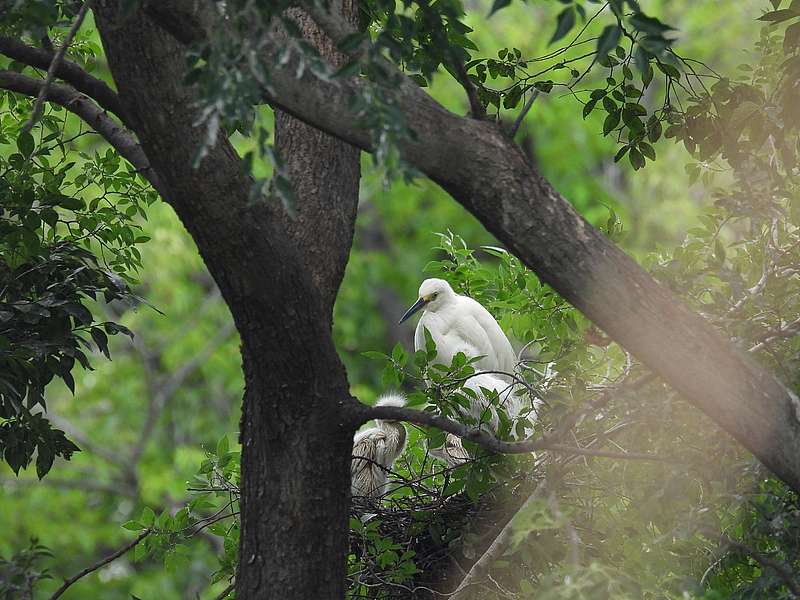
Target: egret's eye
{"x":435,"y":294}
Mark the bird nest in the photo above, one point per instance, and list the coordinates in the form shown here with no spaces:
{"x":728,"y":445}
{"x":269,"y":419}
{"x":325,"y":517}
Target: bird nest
{"x":421,"y":543}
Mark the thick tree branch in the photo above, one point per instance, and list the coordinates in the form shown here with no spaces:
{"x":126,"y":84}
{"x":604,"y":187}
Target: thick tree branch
{"x":72,"y":73}
{"x":296,"y":390}
{"x":80,"y":105}
{"x":99,"y":564}
{"x":54,"y":64}
{"x":324,"y":172}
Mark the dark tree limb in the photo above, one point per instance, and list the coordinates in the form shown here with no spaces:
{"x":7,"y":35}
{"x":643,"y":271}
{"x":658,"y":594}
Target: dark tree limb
{"x":99,"y":564}
{"x":489,"y":442}
{"x":68,"y":71}
{"x":325,"y":173}
{"x":476,"y":108}
{"x":54,"y":64}
{"x":92,"y":115}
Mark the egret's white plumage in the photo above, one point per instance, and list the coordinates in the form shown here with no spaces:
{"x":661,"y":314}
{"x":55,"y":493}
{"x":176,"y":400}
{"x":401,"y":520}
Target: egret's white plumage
{"x":460,"y":324}
{"x":482,"y":385}
{"x":381,"y":445}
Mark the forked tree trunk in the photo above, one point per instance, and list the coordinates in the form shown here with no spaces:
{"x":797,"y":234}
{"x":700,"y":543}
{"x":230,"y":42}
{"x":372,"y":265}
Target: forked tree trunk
{"x":279,"y":278}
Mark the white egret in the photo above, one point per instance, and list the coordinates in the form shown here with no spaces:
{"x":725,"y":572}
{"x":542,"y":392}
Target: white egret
{"x":374,"y":452}
{"x":460,"y":324}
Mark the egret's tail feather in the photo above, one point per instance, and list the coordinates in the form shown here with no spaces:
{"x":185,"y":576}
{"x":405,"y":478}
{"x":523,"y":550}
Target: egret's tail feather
{"x":391,"y":399}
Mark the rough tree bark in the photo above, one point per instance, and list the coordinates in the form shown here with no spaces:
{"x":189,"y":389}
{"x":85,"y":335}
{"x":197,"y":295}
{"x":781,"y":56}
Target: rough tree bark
{"x":296,"y":435}
{"x":325,"y":173}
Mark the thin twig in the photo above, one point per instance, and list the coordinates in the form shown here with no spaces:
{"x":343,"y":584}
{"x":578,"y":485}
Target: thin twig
{"x":92,"y":115}
{"x":495,"y":549}
{"x":71,"y":72}
{"x":476,"y":108}
{"x":515,"y":127}
{"x":111,"y":557}
{"x":781,"y":569}
{"x":226,"y":591}
{"x":51,"y":72}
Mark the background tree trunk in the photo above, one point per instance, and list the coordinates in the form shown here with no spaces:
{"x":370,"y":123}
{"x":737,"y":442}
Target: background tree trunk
{"x":296,"y":437}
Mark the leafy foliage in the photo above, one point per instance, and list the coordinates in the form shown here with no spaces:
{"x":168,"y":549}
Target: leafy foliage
{"x":20,"y":573}
{"x":68,"y":239}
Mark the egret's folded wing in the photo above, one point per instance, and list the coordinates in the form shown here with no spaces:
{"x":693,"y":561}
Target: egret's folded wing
{"x":367,"y":478}
{"x":498,"y":342}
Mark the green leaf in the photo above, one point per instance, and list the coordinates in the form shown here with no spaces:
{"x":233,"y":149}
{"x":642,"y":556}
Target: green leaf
{"x":373,"y":355}
{"x":654,"y":131}
{"x":222,"y":446}
{"x":647,"y":24}
{"x":498,"y":5}
{"x":778,"y":16}
{"x":636,"y":158}
{"x":564,"y":22}
{"x":588,"y":107}
{"x":668,"y":70}
{"x":25,"y":143}
{"x":719,"y":251}
{"x":352,"y":41}
{"x":148,"y":516}
{"x":133,"y":525}
{"x":399,"y":354}
{"x":647,"y":150}
{"x":611,"y":122}
{"x":71,"y":203}
{"x":608,"y":40}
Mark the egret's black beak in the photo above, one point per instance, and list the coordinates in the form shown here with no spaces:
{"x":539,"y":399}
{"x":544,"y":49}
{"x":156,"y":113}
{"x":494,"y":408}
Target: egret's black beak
{"x":417,"y":305}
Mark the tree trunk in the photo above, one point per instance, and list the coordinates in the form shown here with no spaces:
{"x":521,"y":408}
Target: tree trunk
{"x":325,"y":173}
{"x":296,"y":434}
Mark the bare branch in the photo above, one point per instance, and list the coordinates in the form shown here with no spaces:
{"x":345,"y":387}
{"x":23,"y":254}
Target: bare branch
{"x":515,"y":127}
{"x":167,"y":389}
{"x":481,"y":566}
{"x":101,"y":563}
{"x":784,"y":331}
{"x":71,"y":72}
{"x":224,"y":593}
{"x":51,"y":71}
{"x":488,"y":441}
{"x":476,"y":108}
{"x":781,"y":569}
{"x":82,"y":106}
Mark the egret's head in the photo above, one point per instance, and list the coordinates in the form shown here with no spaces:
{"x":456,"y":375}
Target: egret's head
{"x":433,"y":294}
